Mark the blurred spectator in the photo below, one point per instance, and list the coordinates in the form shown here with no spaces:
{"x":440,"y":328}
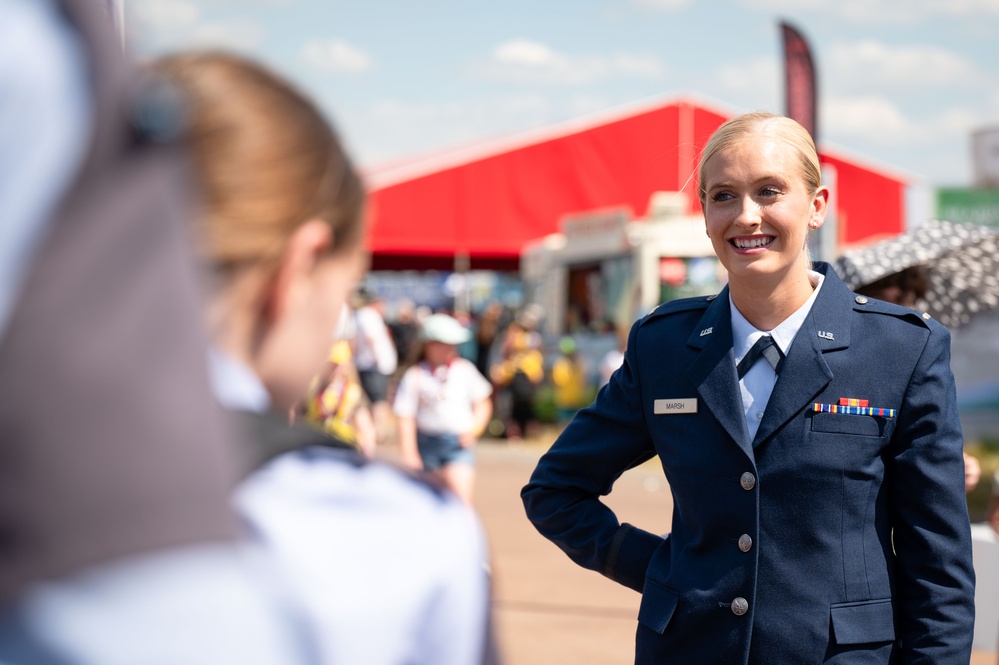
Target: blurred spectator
{"x":443,"y":407}
{"x":972,"y":472}
{"x":405,"y":330}
{"x":614,"y":358}
{"x":467,"y":348}
{"x":118,"y":542}
{"x":336,"y":402}
{"x":487,"y":328}
{"x":993,"y":514}
{"x":569,"y":377}
{"x":384,"y":569}
{"x":519,"y":374}
{"x":907,"y":288}
{"x":375,"y":357}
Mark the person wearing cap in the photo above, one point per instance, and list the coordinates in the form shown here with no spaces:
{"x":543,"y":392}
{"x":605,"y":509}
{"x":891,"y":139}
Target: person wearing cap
{"x":442,"y":405}
{"x":569,"y":378}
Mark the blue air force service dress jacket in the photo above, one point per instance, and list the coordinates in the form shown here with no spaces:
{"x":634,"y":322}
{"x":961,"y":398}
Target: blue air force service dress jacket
{"x":832,"y":537}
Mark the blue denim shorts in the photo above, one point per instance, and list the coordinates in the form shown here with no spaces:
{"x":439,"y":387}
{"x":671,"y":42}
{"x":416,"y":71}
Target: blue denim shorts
{"x":438,"y":450}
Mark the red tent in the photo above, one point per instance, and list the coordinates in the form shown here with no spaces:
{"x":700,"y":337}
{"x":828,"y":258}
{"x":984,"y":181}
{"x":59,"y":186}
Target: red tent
{"x":483,"y":202}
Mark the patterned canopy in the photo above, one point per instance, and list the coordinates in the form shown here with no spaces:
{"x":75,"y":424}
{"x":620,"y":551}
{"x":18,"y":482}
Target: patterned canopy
{"x":961,"y":262}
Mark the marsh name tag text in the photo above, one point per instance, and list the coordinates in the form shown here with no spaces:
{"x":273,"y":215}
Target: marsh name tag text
{"x":667,"y":406}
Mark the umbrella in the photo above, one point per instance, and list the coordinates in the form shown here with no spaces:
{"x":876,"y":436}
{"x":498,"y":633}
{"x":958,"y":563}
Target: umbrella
{"x":961,"y":262}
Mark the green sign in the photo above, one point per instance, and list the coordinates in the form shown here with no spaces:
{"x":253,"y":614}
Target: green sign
{"x":975,"y":206}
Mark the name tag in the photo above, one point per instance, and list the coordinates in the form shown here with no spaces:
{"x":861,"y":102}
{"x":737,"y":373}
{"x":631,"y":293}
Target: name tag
{"x":666,"y":406}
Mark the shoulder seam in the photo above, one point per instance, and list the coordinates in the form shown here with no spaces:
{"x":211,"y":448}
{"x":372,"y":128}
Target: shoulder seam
{"x":680,"y":305}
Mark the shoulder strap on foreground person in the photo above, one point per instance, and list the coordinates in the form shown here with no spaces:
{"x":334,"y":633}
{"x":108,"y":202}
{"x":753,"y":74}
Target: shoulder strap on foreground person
{"x":264,"y":436}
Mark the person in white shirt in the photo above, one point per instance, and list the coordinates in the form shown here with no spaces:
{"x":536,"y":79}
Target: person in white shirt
{"x":442,"y":407}
{"x":375,"y":357}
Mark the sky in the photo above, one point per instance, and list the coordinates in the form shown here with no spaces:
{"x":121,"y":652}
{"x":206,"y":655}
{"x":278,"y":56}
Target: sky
{"x":902,"y":83}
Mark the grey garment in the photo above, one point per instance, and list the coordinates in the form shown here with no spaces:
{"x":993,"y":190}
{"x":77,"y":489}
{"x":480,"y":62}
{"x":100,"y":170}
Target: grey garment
{"x":110,"y":442}
{"x":44,"y":119}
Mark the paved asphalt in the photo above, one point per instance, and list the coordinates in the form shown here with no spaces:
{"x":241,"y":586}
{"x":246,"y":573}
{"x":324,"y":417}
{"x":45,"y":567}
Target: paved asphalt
{"x":548,"y":610}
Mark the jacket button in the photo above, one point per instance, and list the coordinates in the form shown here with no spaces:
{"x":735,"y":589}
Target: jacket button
{"x":745,"y":542}
{"x":740,"y":606}
{"x":748,"y":481}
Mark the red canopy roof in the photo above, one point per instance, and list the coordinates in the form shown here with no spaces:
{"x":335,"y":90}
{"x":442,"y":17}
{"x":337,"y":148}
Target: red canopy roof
{"x":486,"y":201}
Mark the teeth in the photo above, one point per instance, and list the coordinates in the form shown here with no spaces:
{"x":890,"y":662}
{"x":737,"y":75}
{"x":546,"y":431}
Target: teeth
{"x":750,"y":243}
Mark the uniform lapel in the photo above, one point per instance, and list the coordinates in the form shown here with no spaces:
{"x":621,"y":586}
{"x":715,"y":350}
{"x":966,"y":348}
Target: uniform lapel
{"x":713,"y":373}
{"x":805,"y":372}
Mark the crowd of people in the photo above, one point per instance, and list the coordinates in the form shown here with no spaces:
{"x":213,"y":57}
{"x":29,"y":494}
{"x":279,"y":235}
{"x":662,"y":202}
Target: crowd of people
{"x":195,"y":395}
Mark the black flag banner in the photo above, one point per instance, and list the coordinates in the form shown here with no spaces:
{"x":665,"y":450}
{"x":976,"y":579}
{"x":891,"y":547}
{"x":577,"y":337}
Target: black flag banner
{"x":799,"y":80}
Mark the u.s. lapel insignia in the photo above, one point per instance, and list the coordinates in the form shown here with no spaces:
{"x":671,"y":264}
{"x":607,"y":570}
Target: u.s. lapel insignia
{"x":827,"y":335}
{"x":707,"y":331}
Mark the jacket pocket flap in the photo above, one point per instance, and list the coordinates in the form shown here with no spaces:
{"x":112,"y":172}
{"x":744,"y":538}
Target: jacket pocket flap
{"x":657,"y":606}
{"x":836,"y":423}
{"x":860,"y":623}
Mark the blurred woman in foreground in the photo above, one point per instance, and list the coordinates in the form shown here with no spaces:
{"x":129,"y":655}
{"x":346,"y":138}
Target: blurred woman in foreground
{"x":387,"y":569}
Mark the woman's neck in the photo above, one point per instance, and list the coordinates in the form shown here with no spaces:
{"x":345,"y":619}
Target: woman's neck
{"x":768,"y":304}
{"x":229,"y":314}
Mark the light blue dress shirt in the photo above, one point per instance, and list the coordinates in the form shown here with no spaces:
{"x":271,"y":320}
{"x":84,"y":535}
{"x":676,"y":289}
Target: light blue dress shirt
{"x":758,"y":383}
{"x":385,"y":570}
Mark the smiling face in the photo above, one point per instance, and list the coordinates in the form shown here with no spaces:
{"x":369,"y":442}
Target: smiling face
{"x":439,"y":353}
{"x":758,"y":210}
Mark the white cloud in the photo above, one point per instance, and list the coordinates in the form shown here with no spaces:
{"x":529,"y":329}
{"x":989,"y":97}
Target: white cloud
{"x":959,"y":122}
{"x":639,"y":65}
{"x":163,"y":14}
{"x":663,"y":5}
{"x":755,"y":83}
{"x":238,"y":35}
{"x":882,"y":11}
{"x":868,"y":119}
{"x":526,"y":53}
{"x":393,"y":128}
{"x":249,"y":3}
{"x":177,"y":24}
{"x":870,"y":65}
{"x":335,"y":56}
{"x":531,"y":62}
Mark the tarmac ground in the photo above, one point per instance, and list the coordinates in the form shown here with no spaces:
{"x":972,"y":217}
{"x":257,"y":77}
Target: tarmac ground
{"x":547,"y":609}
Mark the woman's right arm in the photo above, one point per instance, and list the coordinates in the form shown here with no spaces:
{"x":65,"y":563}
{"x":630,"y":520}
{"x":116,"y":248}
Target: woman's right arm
{"x":562,"y":499}
{"x":405,"y":406}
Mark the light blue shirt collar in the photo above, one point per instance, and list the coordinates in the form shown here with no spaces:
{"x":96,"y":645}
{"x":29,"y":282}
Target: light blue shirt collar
{"x":758,"y":383}
{"x":744,"y":334}
{"x":236,"y":386}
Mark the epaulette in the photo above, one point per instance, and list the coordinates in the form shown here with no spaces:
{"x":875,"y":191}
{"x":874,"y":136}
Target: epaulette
{"x":875,"y":306}
{"x":266,"y":436}
{"x":679,"y":305}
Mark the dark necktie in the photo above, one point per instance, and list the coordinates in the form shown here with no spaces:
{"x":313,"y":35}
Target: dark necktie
{"x":766,"y":347}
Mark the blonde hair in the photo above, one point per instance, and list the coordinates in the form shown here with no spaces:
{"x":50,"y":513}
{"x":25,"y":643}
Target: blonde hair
{"x":266,"y":158}
{"x":779,"y":127}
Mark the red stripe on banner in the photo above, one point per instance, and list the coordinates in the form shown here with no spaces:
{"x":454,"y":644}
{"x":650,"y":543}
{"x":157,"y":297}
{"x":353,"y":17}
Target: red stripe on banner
{"x":799,"y":76}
